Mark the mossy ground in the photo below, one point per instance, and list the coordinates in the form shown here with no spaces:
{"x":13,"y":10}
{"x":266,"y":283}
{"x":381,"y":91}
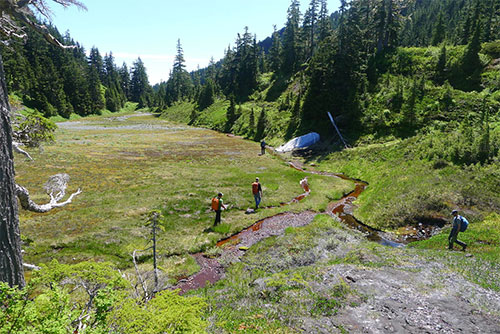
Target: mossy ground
{"x":128,"y":166}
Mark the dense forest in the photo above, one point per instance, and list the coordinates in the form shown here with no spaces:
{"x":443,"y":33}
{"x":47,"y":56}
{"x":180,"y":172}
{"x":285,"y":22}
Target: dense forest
{"x":339,"y":59}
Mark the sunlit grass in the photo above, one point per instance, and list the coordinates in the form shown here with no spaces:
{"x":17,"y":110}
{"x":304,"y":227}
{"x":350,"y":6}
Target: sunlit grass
{"x":150,"y":164}
{"x":483,"y":243}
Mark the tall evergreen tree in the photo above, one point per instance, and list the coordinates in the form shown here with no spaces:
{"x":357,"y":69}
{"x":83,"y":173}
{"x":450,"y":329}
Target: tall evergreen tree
{"x":180,"y":81}
{"x":466,"y":30}
{"x":125,"y":80}
{"x":471,"y":63}
{"x":439,"y":31}
{"x":95,"y":61}
{"x":324,"y":22}
{"x":115,"y":97}
{"x":11,"y":263}
{"x":290,"y":51}
{"x":139,"y":84}
{"x":440,"y":75}
{"x":309,"y":27}
{"x":206,"y":98}
{"x":261,"y":126}
{"x":275,"y":51}
{"x":246,"y":65}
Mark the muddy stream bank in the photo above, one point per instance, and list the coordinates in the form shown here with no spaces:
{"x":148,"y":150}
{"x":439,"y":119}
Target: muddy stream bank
{"x":234,"y":247}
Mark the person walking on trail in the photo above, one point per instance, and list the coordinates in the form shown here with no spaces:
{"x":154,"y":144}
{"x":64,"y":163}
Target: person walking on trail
{"x":257,"y":192}
{"x":262,"y":147}
{"x":217,"y":206}
{"x":459,"y":225}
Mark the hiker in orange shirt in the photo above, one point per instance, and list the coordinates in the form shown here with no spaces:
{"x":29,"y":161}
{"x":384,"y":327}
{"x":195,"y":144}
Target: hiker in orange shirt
{"x":217,"y":206}
{"x":257,"y":192}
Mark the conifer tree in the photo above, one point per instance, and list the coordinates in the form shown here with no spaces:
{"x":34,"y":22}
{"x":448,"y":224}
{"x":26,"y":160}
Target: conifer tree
{"x":251,"y":124}
{"x":115,"y":98}
{"x":465,"y":35}
{"x":11,"y":262}
{"x":439,"y":31}
{"x":230,"y":114}
{"x":274,"y":51}
{"x":290,"y":51}
{"x":95,"y":92}
{"x":309,"y":27}
{"x":471,"y":63}
{"x":441,"y":66}
{"x":95,"y":61}
{"x":125,"y":80}
{"x":324,"y":23}
{"x":139,"y":84}
{"x":181,"y":85}
{"x":206,"y":98}
{"x":261,"y":125}
{"x":380,"y":24}
{"x":246,"y":65}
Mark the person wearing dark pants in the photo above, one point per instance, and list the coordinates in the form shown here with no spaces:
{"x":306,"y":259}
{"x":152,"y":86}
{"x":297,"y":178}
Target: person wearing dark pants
{"x":457,"y":226}
{"x":217,"y":206}
{"x":257,"y":192}
{"x":262,"y":147}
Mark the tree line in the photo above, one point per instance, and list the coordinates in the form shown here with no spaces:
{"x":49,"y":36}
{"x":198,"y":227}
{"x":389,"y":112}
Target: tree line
{"x":334,"y":48}
{"x":57,"y":81}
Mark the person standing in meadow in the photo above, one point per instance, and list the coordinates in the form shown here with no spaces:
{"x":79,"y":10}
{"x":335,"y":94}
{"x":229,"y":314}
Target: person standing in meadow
{"x":217,"y":206}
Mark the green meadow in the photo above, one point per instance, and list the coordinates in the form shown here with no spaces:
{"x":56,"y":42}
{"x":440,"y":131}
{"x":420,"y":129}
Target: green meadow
{"x":128,"y":165}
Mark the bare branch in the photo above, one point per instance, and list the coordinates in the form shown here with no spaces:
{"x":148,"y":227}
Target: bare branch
{"x":31,"y":266}
{"x":139,"y":277}
{"x":15,"y":146}
{"x":56,"y":184}
{"x":23,"y":11}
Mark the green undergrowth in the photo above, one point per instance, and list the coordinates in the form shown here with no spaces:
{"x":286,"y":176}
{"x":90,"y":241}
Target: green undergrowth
{"x":151,"y":164}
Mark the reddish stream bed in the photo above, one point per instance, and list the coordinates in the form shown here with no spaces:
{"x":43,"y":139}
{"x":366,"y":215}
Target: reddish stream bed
{"x":233,"y":247}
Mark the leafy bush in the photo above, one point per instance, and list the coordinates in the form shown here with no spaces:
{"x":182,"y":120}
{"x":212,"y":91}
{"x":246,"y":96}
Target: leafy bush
{"x":492,"y":49}
{"x":31,"y":129}
{"x":166,"y":313}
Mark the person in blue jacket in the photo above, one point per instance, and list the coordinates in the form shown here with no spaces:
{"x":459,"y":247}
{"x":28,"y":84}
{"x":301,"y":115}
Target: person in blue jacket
{"x":458,"y":221}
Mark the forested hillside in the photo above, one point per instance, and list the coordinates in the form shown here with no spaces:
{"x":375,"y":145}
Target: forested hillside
{"x":56,"y":81}
{"x":421,"y":78}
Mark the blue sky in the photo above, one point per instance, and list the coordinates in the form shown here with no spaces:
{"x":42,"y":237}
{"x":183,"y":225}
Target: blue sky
{"x":150,"y":28}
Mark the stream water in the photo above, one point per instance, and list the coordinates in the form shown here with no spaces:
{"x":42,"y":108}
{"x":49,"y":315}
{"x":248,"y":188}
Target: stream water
{"x":233,"y":247}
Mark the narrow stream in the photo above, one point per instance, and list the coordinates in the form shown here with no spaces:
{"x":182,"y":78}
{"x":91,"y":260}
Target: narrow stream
{"x":233,"y":247}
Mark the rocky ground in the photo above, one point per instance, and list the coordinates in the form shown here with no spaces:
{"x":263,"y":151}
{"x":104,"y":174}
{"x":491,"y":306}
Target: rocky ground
{"x":383,"y":289}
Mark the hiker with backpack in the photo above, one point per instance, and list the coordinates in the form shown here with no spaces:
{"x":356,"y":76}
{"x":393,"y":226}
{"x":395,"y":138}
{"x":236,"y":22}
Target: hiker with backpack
{"x":459,"y":225}
{"x":217,"y":206}
{"x":257,"y":192}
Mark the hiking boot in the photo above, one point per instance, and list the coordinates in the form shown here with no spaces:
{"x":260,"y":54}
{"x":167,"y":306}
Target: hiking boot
{"x":464,"y":248}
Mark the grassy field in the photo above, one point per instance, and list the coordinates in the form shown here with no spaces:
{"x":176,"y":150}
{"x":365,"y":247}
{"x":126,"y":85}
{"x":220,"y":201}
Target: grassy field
{"x":128,"y":166}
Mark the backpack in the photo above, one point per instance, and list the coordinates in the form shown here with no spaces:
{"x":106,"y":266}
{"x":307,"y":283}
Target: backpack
{"x":215,"y":203}
{"x":464,"y":224}
{"x":255,"y":188}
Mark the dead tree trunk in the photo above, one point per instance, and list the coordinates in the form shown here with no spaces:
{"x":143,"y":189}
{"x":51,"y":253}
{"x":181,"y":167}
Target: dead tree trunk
{"x":11,"y":263}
